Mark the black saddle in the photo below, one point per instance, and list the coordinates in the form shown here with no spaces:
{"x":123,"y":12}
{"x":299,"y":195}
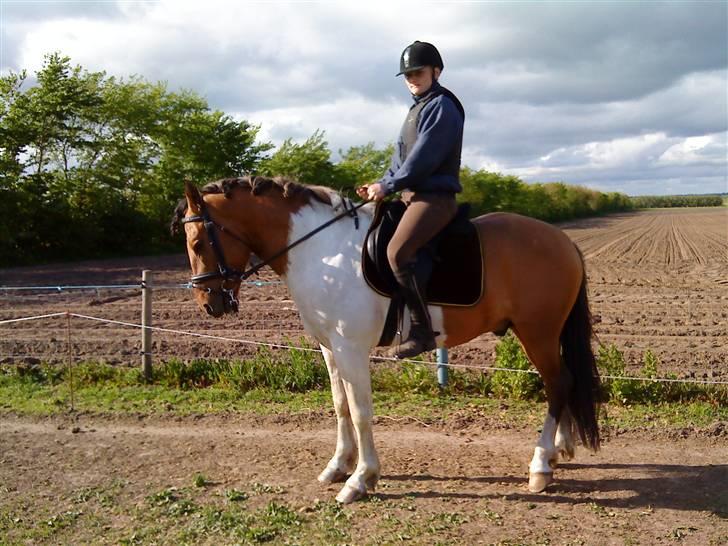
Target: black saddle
{"x":457,"y":274}
{"x":455,"y":255}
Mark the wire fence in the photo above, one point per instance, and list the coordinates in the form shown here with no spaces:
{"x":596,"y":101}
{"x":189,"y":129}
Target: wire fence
{"x":126,"y":324}
{"x":72,"y":287}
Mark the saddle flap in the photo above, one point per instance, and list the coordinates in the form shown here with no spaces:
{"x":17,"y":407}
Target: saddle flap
{"x":386,"y":218}
{"x":457,"y":276}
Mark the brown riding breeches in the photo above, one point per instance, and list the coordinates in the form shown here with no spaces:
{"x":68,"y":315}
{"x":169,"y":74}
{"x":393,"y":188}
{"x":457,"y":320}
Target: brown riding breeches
{"x":426,"y":215}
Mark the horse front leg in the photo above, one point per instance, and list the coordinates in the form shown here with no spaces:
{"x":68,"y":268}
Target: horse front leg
{"x":354,"y":369}
{"x":342,"y":463}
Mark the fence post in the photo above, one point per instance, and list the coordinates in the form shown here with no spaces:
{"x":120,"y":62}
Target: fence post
{"x":146,"y":324}
{"x":442,"y":361}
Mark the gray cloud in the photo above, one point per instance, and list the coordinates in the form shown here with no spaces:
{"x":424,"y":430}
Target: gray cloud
{"x":558,"y":80}
{"x":34,"y":11}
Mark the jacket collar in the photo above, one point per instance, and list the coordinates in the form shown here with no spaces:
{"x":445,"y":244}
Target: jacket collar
{"x":434,"y":88}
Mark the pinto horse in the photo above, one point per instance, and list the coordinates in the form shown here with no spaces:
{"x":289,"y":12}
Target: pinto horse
{"x":535,"y":284}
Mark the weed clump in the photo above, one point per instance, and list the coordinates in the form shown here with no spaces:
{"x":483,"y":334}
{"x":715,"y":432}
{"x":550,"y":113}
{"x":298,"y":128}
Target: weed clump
{"x":521,"y":385}
{"x":295,"y":370}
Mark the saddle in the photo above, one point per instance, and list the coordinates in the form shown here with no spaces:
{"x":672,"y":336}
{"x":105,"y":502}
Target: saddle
{"x":457,"y":272}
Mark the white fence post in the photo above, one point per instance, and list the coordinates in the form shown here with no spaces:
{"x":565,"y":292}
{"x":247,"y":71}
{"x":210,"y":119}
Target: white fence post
{"x":146,"y":324}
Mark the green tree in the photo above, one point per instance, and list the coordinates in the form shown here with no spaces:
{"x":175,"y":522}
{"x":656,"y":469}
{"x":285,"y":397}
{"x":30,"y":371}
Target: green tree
{"x":362,"y":165}
{"x":309,"y":162}
{"x":91,"y":164}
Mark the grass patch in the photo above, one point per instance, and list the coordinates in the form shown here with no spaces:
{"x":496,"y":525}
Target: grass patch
{"x":296,"y":381}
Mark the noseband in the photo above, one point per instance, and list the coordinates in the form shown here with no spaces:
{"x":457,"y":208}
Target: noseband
{"x":226,"y":273}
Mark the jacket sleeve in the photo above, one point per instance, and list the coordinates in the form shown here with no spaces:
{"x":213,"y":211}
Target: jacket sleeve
{"x":438,"y":129}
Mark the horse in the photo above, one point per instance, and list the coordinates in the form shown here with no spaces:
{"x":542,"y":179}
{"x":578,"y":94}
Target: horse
{"x":534,"y":283}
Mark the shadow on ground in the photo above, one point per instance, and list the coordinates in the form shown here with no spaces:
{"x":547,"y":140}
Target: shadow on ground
{"x":677,"y":487}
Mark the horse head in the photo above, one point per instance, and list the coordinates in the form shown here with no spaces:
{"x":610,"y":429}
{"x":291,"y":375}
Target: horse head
{"x":229,"y":221}
{"x":217,"y":249}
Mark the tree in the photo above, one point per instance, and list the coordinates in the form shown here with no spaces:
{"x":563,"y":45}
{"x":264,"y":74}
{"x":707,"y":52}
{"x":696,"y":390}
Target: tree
{"x":362,"y":165}
{"x":95,"y":165}
{"x":309,"y":162}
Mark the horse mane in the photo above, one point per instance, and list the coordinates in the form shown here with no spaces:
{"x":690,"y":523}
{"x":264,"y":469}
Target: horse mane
{"x":260,"y":185}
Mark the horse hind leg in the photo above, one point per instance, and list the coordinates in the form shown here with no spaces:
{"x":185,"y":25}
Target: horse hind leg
{"x":565,"y":436}
{"x":544,"y":352}
{"x":342,"y":463}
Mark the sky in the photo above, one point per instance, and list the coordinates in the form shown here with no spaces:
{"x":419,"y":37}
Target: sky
{"x":617,"y":96}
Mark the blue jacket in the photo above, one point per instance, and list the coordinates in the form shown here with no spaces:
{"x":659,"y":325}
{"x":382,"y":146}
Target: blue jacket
{"x":439,"y":141}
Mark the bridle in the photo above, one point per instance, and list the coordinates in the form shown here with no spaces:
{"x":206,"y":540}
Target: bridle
{"x":227,"y":273}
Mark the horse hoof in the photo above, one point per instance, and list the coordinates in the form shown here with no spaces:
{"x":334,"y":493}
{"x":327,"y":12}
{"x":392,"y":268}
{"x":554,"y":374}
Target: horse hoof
{"x":371,"y":482}
{"x":538,"y":481}
{"x":332,"y":475}
{"x":566,"y":453}
{"x":350,"y":494}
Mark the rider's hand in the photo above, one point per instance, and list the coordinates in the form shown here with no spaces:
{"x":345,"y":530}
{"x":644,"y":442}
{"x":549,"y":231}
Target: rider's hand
{"x":375,"y":192}
{"x":363,"y":191}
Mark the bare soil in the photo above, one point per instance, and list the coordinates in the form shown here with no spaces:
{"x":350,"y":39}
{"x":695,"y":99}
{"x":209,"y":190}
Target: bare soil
{"x":633,"y":492}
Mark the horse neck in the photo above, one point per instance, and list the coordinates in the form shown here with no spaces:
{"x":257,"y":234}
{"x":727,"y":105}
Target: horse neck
{"x":261,"y":222}
{"x":340,"y":239}
{"x":270,"y":223}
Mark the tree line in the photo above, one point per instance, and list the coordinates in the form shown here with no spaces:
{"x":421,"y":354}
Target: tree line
{"x":669,"y":201}
{"x":92,"y":165}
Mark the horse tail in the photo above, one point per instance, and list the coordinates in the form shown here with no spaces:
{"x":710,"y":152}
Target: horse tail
{"x":579,"y":358}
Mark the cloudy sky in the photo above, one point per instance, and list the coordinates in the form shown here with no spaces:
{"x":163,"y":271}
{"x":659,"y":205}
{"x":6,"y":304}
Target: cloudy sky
{"x":618,"y":96}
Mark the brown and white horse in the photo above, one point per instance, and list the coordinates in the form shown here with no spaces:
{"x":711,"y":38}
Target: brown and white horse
{"x":535,"y":284}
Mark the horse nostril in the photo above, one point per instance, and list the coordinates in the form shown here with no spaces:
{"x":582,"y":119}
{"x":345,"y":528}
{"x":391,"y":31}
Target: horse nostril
{"x":208,"y":308}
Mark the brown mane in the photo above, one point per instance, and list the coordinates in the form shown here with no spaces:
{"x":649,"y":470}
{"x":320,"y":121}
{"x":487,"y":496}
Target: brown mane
{"x":258,"y":185}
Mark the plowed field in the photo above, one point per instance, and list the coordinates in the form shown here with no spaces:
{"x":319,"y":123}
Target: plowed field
{"x":658,"y":280}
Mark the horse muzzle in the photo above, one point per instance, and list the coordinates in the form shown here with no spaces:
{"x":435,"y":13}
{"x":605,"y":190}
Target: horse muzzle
{"x":220,"y":302}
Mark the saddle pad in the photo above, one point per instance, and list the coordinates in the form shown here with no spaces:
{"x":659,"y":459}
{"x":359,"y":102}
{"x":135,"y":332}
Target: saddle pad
{"x":457,"y":276}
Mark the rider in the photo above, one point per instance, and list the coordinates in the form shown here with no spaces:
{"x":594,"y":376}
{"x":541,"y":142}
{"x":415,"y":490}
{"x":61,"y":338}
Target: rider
{"x":425,"y":168}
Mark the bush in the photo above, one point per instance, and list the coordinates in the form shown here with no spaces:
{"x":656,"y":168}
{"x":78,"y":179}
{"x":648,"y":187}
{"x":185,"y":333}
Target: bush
{"x":610,"y":362}
{"x":552,"y":202}
{"x":293,"y":370}
{"x":669,"y":201}
{"x":519,"y":385}
{"x":405,"y":377}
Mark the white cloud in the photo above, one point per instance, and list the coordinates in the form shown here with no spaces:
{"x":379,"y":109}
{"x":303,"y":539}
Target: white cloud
{"x":349,"y":121}
{"x":608,"y":94}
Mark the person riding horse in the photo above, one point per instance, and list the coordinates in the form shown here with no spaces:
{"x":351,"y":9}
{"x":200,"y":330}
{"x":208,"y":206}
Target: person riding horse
{"x":425,"y":167}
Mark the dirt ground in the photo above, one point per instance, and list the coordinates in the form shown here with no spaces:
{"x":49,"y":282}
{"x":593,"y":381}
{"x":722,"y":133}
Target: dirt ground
{"x":658,"y":280}
{"x":660,"y":490}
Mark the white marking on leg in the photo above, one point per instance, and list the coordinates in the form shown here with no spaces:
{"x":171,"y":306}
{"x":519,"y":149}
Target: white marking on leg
{"x":342,"y":462}
{"x":565,"y":436}
{"x":545,"y":449}
{"x":354,"y":370}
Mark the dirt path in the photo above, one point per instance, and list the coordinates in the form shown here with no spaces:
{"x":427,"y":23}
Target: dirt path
{"x":633,"y":492}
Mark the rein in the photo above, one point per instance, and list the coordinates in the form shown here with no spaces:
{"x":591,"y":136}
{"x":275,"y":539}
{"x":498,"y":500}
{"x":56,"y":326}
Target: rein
{"x":226,"y":273}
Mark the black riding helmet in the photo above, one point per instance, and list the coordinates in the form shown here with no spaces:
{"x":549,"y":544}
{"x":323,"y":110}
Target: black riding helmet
{"x":418,"y":55}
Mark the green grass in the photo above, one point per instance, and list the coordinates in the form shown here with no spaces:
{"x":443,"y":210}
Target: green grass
{"x":296,"y":381}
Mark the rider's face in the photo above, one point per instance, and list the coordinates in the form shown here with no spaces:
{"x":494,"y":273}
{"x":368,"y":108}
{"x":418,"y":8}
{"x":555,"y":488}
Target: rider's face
{"x":419,"y":81}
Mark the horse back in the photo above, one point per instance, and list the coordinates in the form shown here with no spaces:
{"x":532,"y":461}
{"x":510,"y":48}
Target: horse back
{"x":525,"y":257}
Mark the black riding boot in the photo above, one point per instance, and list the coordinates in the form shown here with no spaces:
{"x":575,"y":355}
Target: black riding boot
{"x":421,"y":337}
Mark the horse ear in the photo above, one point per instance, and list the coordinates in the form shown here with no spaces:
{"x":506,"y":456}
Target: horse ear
{"x":192,"y":194}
